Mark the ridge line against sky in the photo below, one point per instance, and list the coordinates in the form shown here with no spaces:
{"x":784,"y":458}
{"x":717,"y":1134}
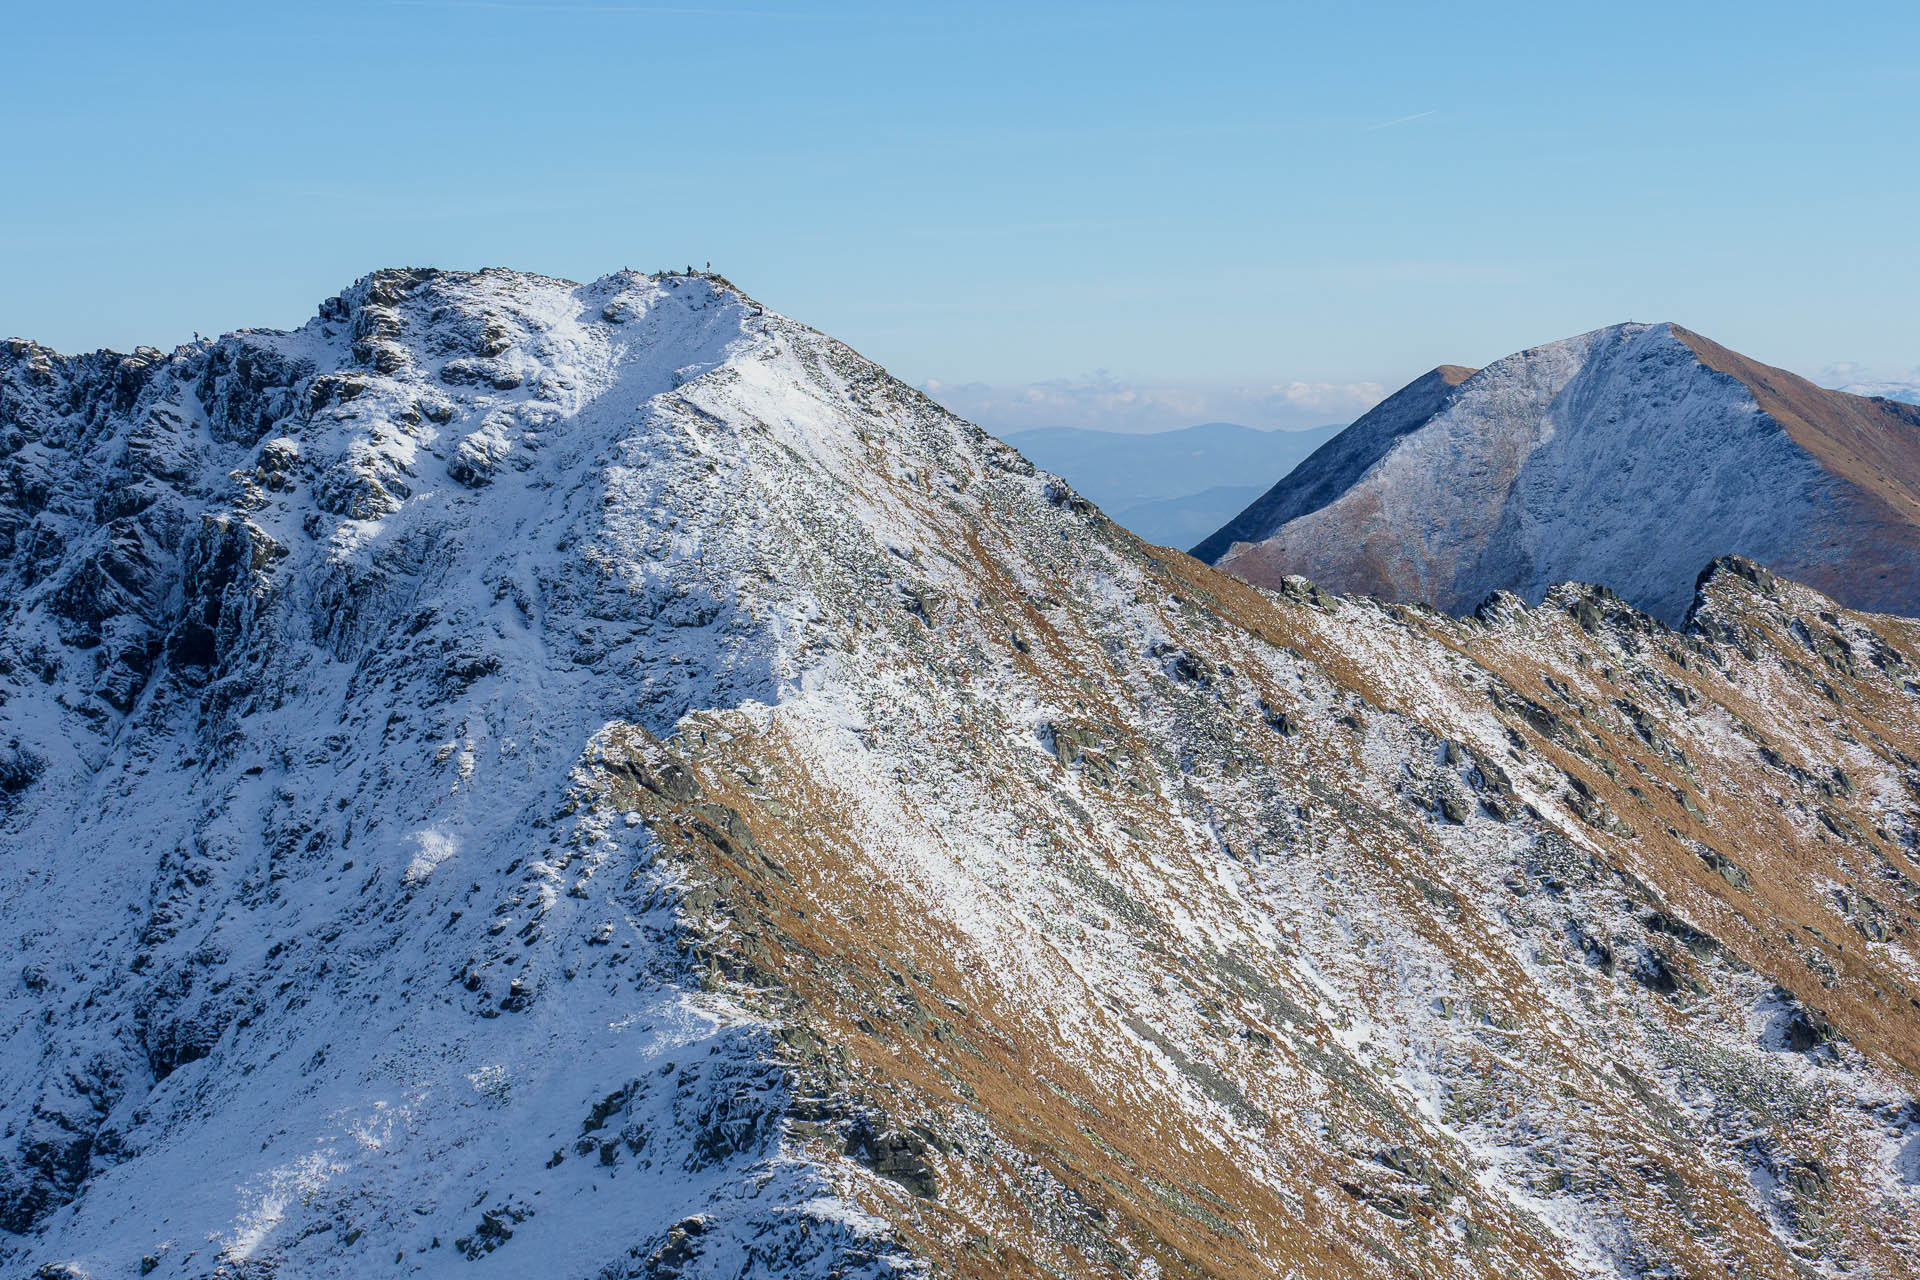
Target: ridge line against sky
{"x":1262,"y":213}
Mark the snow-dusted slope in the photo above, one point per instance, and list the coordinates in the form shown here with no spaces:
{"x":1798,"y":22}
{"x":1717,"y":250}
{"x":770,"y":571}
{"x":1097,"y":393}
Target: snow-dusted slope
{"x":324,"y":956}
{"x":1332,"y":468}
{"x":540,"y":779}
{"x":1629,"y":456}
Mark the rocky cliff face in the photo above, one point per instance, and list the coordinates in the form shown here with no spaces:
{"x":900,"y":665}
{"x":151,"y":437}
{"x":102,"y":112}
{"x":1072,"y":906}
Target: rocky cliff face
{"x":1629,"y":456}
{"x":600,"y":780}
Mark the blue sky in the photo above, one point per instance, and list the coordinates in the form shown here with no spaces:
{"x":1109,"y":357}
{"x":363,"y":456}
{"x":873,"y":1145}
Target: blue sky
{"x":1155,"y":213}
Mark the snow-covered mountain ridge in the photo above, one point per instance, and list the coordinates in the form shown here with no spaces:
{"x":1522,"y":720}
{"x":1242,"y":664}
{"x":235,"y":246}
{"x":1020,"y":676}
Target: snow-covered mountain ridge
{"x":1628,"y":456}
{"x":592,"y":780}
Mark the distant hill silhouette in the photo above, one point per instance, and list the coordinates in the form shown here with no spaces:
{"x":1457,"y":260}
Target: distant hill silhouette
{"x":1170,"y":487}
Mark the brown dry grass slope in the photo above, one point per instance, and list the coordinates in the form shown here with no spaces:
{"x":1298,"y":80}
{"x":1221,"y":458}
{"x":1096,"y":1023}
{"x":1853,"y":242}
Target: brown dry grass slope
{"x":1336,"y":939}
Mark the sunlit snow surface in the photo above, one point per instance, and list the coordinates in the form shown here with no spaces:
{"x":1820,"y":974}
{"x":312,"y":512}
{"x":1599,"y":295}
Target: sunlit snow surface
{"x":322,"y":871}
{"x":340,"y":956}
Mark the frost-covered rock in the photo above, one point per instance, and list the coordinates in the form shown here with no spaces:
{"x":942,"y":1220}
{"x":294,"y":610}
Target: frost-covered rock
{"x":599,"y":780}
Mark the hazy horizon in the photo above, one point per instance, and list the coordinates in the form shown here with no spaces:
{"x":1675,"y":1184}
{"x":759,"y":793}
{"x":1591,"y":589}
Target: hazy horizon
{"x":1205,"y":207}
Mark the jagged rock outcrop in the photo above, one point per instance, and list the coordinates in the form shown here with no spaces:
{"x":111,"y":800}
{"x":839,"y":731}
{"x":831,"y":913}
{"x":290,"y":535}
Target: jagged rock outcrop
{"x":1628,"y":456}
{"x":615,"y":785}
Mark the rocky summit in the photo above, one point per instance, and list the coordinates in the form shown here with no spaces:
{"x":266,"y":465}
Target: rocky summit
{"x":1629,"y":456}
{"x":534,"y":779}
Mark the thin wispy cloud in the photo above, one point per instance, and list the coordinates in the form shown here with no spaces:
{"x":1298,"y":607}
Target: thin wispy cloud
{"x":1388,"y":124}
{"x":1105,"y":403}
{"x":639,"y":10}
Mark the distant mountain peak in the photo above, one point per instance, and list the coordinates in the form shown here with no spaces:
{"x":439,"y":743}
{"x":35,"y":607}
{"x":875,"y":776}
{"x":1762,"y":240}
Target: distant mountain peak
{"x":1340,"y":461}
{"x":1629,"y":455}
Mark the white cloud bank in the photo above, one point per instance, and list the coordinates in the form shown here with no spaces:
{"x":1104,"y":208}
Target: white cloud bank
{"x":1863,"y":380}
{"x":1104,"y":403}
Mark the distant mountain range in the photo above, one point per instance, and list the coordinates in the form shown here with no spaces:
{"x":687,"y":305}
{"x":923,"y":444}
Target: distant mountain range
{"x":1627,"y":457}
{"x":1907,"y":392}
{"x":1171,"y":487}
